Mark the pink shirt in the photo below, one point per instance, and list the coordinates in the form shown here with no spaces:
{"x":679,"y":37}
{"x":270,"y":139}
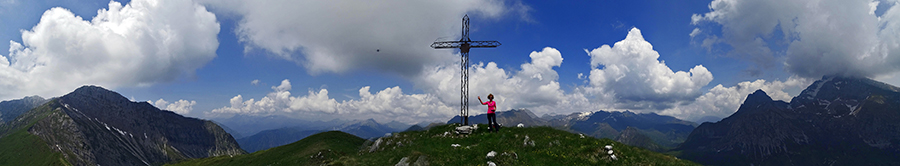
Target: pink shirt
{"x":491,"y":106}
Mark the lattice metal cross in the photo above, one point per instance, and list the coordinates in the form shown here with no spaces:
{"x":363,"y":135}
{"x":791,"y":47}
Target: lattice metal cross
{"x":464,"y":44}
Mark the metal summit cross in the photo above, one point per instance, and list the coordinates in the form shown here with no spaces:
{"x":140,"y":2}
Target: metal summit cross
{"x":464,"y":44}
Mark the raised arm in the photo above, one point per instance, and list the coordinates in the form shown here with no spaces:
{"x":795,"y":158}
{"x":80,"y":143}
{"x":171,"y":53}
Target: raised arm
{"x":482,"y":102}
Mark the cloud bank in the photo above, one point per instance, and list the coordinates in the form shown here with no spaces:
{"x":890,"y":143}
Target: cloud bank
{"x":390,"y":103}
{"x":534,"y":85}
{"x":815,"y":37}
{"x":139,"y":44}
{"x":342,"y":35}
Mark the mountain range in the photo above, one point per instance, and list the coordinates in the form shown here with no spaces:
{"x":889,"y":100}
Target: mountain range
{"x":367,"y":129}
{"x":11,"y":109}
{"x":96,"y":126}
{"x":664,"y":132}
{"x":834,"y":121}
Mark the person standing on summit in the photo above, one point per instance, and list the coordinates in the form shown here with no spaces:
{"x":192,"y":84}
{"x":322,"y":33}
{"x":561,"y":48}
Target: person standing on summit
{"x":492,"y":118}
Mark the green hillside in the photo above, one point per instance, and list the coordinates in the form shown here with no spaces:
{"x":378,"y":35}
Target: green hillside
{"x":545,"y":146}
{"x":18,"y":147}
{"x":319,"y":148}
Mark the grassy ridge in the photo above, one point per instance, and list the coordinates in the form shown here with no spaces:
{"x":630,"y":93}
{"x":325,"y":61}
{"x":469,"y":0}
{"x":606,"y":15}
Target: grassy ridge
{"x":312,"y":150}
{"x":18,"y":147}
{"x":550,"y":147}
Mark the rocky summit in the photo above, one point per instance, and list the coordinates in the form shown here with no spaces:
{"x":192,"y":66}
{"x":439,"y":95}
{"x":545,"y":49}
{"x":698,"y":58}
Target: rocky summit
{"x":95,"y":126}
{"x":834,"y":121}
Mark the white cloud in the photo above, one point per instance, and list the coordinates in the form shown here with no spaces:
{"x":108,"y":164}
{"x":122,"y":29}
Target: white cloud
{"x":535,"y":86}
{"x":254,"y":82}
{"x":343,"y":35}
{"x":695,"y":32}
{"x":632,"y":72}
{"x":182,"y":107}
{"x":388,"y":104}
{"x":723,"y":101}
{"x":816,"y":37}
{"x":139,"y":44}
{"x":440,"y":100}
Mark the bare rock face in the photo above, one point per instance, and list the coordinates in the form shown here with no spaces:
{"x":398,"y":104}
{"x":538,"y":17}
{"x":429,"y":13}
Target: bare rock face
{"x":95,"y":126}
{"x":835,"y":121}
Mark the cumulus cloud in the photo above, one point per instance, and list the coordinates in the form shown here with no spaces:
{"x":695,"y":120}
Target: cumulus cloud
{"x":858,"y":38}
{"x":388,"y":104}
{"x":630,"y":70}
{"x":254,"y":82}
{"x":723,"y":101}
{"x":535,"y":86}
{"x":182,"y":107}
{"x":343,"y":35}
{"x":139,"y":44}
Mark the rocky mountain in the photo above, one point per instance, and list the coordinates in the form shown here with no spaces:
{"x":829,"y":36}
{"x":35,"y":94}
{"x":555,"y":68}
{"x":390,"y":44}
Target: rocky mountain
{"x":273,"y":138}
{"x":247,"y":125}
{"x":367,"y":129}
{"x":11,"y":109}
{"x":834,"y":121}
{"x":664,"y":131}
{"x":95,"y":126}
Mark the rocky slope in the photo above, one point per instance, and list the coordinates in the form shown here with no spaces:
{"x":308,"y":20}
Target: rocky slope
{"x":95,"y":126}
{"x":834,"y":121}
{"x":11,"y":109}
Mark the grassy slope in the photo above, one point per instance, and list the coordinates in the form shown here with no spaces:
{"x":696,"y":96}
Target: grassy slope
{"x":551,"y":147}
{"x":332,"y":144}
{"x":18,"y":147}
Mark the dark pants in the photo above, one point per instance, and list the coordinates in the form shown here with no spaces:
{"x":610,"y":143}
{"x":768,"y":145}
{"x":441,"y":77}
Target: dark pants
{"x":492,"y":122}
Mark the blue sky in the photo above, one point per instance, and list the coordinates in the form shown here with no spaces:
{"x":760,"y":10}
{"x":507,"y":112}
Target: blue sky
{"x":318,"y":60}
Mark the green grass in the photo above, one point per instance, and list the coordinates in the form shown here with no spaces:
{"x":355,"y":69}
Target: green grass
{"x":23,"y":148}
{"x":18,"y":147}
{"x":313,"y":150}
{"x":551,"y":147}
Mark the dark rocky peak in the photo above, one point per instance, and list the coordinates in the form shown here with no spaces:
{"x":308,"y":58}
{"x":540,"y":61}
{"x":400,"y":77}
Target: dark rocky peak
{"x":839,"y":95}
{"x":827,"y":124}
{"x":758,"y":102}
{"x":855,"y":88}
{"x":97,"y":93}
{"x":758,"y":96}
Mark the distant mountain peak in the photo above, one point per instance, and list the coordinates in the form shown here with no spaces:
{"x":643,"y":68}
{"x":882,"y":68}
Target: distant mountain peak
{"x":96,"y":126}
{"x":759,"y":94}
{"x":831,"y":117}
{"x":98,"y":93}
